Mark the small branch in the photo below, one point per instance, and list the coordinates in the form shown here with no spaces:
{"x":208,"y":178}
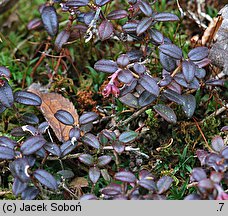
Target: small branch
{"x":71,"y":156}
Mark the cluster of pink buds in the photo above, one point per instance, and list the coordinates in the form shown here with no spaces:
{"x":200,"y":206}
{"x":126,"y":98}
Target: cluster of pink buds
{"x":111,"y":88}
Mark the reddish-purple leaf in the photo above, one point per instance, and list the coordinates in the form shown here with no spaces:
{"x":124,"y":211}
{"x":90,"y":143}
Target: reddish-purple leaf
{"x":18,"y":186}
{"x":27,"y":98}
{"x":88,"y":117}
{"x":30,"y":118}
{"x":198,"y":53}
{"x":139,"y":68}
{"x":129,"y":100}
{"x":144,"y":25}
{"x":6,"y":153}
{"x":34,"y":24}
{"x":164,"y":184}
{"x":6,"y":94}
{"x":189,"y":70}
{"x":148,"y":184}
{"x":125,"y":176}
{"x":67,"y":147}
{"x":156,"y":36}
{"x":166,"y":112}
{"x":179,"y":78}
{"x":101,"y":2}
{"x":4,"y":72}
{"x":146,"y":98}
{"x":174,"y":96}
{"x":105,"y":30}
{"x":125,"y":76}
{"x":194,"y":84}
{"x":30,"y":193}
{"x":224,"y":128}
{"x":32,"y":144}
{"x":145,"y":8}
{"x":19,"y":169}
{"x":200,"y":73}
{"x":171,"y":50}
{"x":103,"y":160}
{"x":175,"y":87}
{"x":189,"y":105}
{"x":64,"y":117}
{"x":198,"y":174}
{"x":165,"y":17}
{"x":130,"y":26}
{"x":50,"y":20}
{"x":123,"y":60}
{"x":61,"y":39}
{"x":46,"y":179}
{"x":7,"y":142}
{"x":202,"y":63}
{"x":86,"y":159}
{"x":167,"y":62}
{"x":216,"y":177}
{"x":94,"y":174}
{"x":109,"y":134}
{"x":112,"y":190}
{"x":148,"y":83}
{"x":217,"y":143}
{"x":215,"y":82}
{"x":224,"y":153}
{"x":118,"y":147}
{"x":88,"y":197}
{"x":53,"y":149}
{"x":77,"y":3}
{"x":201,"y":154}
{"x":128,"y":136}
{"x":117,"y":14}
{"x":206,"y":184}
{"x":91,"y":140}
{"x":106,"y":66}
{"x":75,"y":133}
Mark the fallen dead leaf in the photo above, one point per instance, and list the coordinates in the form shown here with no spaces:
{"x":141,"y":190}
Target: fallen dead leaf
{"x":79,"y":182}
{"x":51,"y":103}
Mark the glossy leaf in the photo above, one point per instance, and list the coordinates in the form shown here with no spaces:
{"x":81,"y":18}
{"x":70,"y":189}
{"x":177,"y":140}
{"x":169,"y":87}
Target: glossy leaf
{"x":6,"y":94}
{"x":129,"y":100}
{"x":101,"y":2}
{"x":189,"y":105}
{"x":27,"y":98}
{"x":75,"y":133}
{"x":216,"y":177}
{"x":130,"y":27}
{"x":171,"y":50}
{"x":64,"y":117}
{"x":125,"y":176}
{"x":123,"y":60}
{"x":125,"y":76}
{"x":194,"y":84}
{"x":167,"y":62}
{"x":88,"y":197}
{"x":106,"y":66}
{"x":128,"y":136}
{"x":86,"y":159}
{"x":32,"y":144}
{"x":103,"y":160}
{"x":139,"y":68}
{"x":88,"y":117}
{"x":179,"y":78}
{"x":145,"y":8}
{"x":46,"y":179}
{"x":112,"y":190}
{"x":66,"y":174}
{"x":30,"y":193}
{"x":91,"y":140}
{"x":198,"y":174}
{"x":206,"y":183}
{"x":217,"y":143}
{"x":201,"y":154}
{"x":61,"y":39}
{"x":148,"y":83}
{"x":6,"y":153}
{"x":166,"y":112}
{"x":164,"y":184}
{"x":146,"y":98}
{"x":224,"y":153}
{"x":105,"y":30}
{"x":67,"y":147}
{"x":117,"y":14}
{"x":19,"y":169}
{"x":53,"y":148}
{"x":148,"y":184}
{"x":144,"y":25}
{"x":118,"y":146}
{"x":77,"y":3}
{"x":50,"y":20}
{"x":30,"y":118}
{"x":18,"y":186}
{"x":189,"y":70}
{"x":156,"y":36}
{"x":34,"y":24}
{"x":163,"y":17}
{"x":42,"y":128}
{"x":7,"y":142}
{"x":94,"y":174}
{"x":174,"y":96}
{"x":198,"y":53}
{"x":4,"y":72}
{"x":109,"y":134}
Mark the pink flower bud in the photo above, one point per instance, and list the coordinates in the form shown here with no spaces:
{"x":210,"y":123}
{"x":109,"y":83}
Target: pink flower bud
{"x":222,"y":196}
{"x":107,"y":90}
{"x":115,"y":91}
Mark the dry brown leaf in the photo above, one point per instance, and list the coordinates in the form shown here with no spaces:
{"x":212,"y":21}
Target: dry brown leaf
{"x":51,"y":103}
{"x":79,"y":182}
